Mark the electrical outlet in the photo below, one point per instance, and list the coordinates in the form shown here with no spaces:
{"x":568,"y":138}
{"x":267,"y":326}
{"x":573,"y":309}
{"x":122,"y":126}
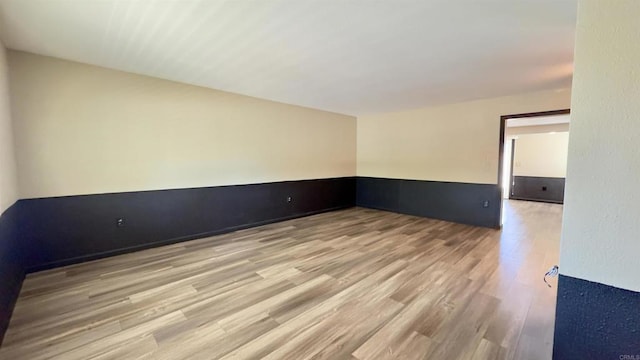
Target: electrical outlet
{"x":485,"y":204}
{"x":288,"y":199}
{"x":120,"y":222}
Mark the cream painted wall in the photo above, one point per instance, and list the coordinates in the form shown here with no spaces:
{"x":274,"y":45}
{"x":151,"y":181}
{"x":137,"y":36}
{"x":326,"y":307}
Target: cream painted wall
{"x":456,"y":142}
{"x":8,"y":172}
{"x":543,"y":155}
{"x":601,"y":231}
{"x":82,"y":129}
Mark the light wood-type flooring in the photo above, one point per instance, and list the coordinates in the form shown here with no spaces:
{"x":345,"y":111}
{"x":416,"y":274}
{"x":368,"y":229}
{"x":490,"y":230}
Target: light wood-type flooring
{"x":351,"y":284}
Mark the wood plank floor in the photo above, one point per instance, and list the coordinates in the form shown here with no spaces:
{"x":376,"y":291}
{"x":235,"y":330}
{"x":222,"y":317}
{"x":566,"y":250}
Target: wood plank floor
{"x":352,"y":284}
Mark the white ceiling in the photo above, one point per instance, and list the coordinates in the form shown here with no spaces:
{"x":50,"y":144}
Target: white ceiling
{"x":348,"y":56}
{"x":539,"y":120}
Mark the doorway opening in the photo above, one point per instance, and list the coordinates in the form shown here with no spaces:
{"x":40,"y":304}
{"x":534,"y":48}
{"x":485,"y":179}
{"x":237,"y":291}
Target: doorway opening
{"x":533,"y":152}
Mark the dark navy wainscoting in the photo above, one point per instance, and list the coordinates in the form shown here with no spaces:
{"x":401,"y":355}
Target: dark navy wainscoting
{"x":71,"y":229}
{"x":39,"y":234}
{"x":546,"y":189}
{"x":595,"y":321}
{"x":11,"y":266}
{"x":457,"y":202}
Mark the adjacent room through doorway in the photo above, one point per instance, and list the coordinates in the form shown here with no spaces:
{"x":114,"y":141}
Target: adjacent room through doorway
{"x":533,"y":159}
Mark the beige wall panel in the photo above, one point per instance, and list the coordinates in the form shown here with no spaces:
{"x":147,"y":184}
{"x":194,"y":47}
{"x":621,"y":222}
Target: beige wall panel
{"x":543,"y":155}
{"x":456,"y":142}
{"x":82,"y":129}
{"x":600,"y":230}
{"x":8,"y":171}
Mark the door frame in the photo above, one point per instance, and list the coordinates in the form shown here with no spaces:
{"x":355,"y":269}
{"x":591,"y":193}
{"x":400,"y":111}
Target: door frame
{"x":513,"y":153}
{"x":503,"y":128}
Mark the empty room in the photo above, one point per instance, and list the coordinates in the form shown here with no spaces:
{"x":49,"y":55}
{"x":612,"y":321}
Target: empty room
{"x":319,"y":179}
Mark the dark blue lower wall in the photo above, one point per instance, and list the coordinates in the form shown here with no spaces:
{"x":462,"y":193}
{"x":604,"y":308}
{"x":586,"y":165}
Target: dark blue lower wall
{"x":38,"y":234}
{"x":71,"y":229}
{"x":535,"y":188}
{"x":457,"y":202}
{"x":11,"y":266}
{"x":596,"y":321}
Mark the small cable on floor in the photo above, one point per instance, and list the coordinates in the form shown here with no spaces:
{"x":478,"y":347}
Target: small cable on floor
{"x":553,"y":272}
